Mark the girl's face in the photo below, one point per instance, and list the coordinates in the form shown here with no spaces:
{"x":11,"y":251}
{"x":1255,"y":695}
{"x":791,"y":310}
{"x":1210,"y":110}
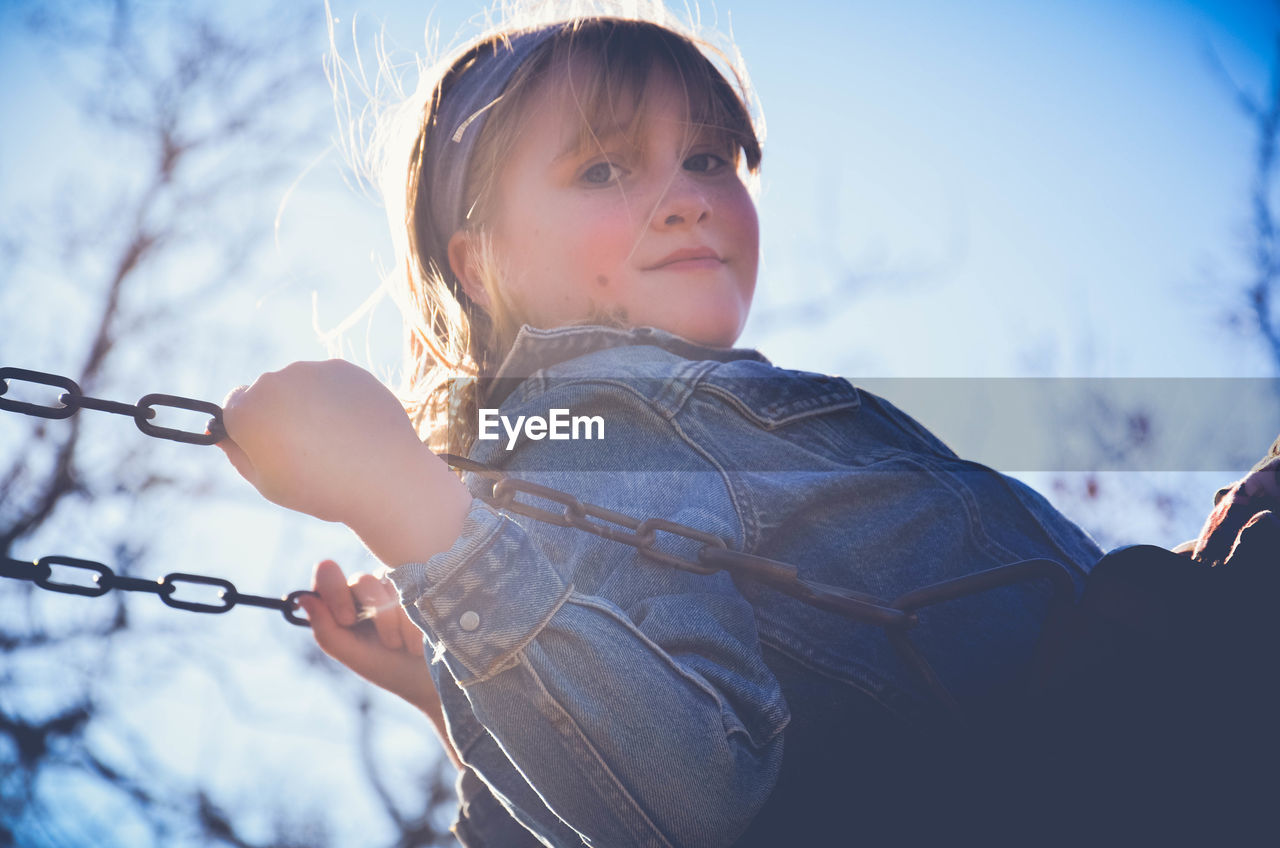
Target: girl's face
{"x":660,"y":233}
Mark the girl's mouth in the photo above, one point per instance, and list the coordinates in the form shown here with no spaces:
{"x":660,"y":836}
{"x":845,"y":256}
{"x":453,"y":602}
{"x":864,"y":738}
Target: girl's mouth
{"x":688,"y":259}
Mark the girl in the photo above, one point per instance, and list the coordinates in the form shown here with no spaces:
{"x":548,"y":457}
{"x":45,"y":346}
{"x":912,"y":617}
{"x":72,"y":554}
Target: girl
{"x":580,"y":236}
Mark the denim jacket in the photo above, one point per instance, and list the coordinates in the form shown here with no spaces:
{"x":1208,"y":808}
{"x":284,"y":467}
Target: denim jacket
{"x":598,"y":697}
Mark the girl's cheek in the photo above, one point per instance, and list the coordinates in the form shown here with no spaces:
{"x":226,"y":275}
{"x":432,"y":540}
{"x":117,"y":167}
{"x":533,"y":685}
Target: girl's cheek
{"x":741,"y":212}
{"x":606,"y":239}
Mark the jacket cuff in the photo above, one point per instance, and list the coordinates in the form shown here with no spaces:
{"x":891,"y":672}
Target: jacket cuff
{"x":485,"y":598}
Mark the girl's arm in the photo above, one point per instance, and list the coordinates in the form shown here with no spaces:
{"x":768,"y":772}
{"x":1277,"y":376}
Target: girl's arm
{"x":328,"y":439}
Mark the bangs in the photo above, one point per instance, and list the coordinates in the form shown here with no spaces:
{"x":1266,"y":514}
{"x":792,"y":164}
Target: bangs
{"x":610,"y":69}
{"x":607,"y":67}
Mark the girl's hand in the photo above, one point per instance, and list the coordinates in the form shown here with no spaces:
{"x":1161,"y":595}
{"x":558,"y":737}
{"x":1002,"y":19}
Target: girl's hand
{"x":328,"y":439}
{"x":1246,"y":517}
{"x":316,"y":437}
{"x":360,"y":623}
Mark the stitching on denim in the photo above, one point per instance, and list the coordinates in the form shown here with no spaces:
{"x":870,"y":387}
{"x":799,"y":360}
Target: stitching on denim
{"x":696,"y":679}
{"x":957,"y":486}
{"x":1055,"y":534}
{"x":870,"y":687}
{"x":682,"y":385}
{"x":511,"y":658}
{"x":646,"y":404}
{"x":563,"y":383}
{"x":581,"y":741}
{"x":426,"y":603}
{"x":427,"y":608}
{"x":747,"y":529}
{"x":488,"y":801}
{"x":800,"y":409}
{"x":435,"y":617}
{"x":579,"y":341}
{"x":494,"y":519}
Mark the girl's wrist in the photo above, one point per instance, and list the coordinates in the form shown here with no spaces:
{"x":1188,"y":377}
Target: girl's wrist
{"x":415,"y":513}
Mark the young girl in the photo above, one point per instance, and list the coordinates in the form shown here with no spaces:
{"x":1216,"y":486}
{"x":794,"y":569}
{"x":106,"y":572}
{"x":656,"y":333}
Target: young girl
{"x":581,"y":238}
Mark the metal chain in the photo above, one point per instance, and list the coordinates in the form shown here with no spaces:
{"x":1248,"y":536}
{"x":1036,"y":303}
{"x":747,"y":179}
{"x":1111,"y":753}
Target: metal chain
{"x":103,"y":580}
{"x":73,"y":400}
{"x":897,"y":617}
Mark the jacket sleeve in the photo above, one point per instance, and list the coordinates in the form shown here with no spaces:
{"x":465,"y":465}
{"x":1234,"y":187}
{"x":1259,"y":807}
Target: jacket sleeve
{"x":630,"y":695}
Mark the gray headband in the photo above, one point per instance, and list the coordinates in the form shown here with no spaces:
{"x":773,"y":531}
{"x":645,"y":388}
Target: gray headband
{"x":459,"y":120}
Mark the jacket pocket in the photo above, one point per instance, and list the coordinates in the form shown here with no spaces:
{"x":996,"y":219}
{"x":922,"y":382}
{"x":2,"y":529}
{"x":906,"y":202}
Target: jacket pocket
{"x":774,"y":397}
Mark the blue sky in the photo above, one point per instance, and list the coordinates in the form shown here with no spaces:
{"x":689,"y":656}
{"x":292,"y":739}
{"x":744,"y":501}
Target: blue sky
{"x":1066,"y":177}
{"x":1020,"y":188}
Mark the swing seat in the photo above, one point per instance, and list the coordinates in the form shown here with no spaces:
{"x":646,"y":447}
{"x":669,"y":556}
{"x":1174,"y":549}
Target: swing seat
{"x":1160,"y":718}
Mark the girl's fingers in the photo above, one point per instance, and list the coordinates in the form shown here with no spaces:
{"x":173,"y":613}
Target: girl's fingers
{"x":352,"y":645}
{"x":381,"y":604}
{"x":328,"y":633}
{"x":331,"y":584}
{"x":396,"y":671}
{"x":1265,"y":482}
{"x":230,"y":422}
{"x":348,"y":606}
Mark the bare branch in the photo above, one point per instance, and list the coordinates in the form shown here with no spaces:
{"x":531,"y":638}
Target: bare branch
{"x":1263,"y":113}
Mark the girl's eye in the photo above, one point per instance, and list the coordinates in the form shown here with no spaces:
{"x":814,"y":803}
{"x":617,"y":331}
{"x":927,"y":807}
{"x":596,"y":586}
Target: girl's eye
{"x":603,"y":173}
{"x":705,"y":163}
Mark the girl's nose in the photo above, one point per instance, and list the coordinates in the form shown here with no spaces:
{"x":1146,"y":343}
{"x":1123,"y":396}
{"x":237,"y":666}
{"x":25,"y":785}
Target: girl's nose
{"x":685,"y":202}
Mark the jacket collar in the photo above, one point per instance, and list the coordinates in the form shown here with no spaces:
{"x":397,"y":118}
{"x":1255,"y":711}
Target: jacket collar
{"x":535,"y":349}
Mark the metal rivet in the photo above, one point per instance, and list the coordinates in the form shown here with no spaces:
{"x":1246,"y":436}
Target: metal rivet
{"x":469,"y":620}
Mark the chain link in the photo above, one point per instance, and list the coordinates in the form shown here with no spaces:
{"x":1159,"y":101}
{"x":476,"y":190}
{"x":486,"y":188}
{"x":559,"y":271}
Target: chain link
{"x":896,"y":617}
{"x":100,"y":580}
{"x":73,"y":400}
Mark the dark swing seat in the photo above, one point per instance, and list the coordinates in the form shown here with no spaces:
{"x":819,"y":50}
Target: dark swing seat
{"x":1157,"y":717}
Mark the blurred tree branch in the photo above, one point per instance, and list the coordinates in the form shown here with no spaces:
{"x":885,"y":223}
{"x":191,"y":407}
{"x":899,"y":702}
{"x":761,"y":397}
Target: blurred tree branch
{"x":191,"y":123}
{"x":1253,"y":308}
{"x":1262,"y":110}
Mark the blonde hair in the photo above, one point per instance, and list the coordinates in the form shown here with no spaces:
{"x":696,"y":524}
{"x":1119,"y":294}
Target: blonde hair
{"x":451,"y":344}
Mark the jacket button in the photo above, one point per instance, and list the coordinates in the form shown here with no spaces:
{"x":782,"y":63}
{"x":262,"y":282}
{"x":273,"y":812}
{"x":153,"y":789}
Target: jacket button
{"x":469,"y":621}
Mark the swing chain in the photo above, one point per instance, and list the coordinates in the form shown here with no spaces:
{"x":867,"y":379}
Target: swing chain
{"x":102,"y":580}
{"x":896,"y":617}
{"x":713,"y":556}
{"x":73,"y":400}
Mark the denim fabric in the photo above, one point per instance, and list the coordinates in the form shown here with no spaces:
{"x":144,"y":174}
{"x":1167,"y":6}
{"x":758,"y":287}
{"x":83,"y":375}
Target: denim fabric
{"x":605,"y":699}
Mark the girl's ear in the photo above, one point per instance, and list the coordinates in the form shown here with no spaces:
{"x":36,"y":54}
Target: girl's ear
{"x":465,"y":265}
